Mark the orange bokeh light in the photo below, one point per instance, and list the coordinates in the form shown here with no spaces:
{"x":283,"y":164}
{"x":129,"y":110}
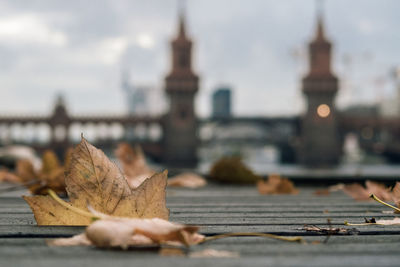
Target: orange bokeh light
{"x":323,"y":110}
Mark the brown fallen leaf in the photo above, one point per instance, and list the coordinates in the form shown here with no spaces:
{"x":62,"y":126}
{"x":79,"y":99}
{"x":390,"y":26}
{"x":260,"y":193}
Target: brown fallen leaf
{"x":322,"y":192}
{"x":360,"y":193}
{"x":187,"y":179}
{"x":276,"y":185}
{"x":123,"y":232}
{"x":232,"y":170}
{"x":379,"y":190}
{"x":93,"y":179}
{"x":336,"y":187}
{"x":50,"y":162}
{"x":396,"y":195}
{"x":9,"y":177}
{"x":356,"y":191}
{"x":212,"y":253}
{"x":134,"y":164}
{"x":50,"y":176}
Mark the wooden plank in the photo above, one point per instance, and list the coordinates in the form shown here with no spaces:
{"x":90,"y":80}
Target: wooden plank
{"x":240,"y":219}
{"x":287,"y":230}
{"x":219,"y":210}
{"x":256,"y":253}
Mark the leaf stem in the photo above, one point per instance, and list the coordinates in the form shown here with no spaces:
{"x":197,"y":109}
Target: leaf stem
{"x":54,"y":196}
{"x":384,"y":203}
{"x":283,"y":238}
{"x":359,"y":224}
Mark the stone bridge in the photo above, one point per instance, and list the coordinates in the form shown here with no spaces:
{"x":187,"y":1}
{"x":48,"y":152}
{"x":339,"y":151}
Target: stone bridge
{"x":60,"y":130}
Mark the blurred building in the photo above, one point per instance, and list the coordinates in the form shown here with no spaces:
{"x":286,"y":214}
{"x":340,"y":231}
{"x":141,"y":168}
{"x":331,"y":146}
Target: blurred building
{"x":221,"y":103}
{"x":143,"y":99}
{"x":390,"y":106}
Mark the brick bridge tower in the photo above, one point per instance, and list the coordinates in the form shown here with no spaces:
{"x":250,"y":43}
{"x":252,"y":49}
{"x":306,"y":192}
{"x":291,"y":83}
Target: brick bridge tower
{"x":321,"y":144}
{"x":181,"y":85}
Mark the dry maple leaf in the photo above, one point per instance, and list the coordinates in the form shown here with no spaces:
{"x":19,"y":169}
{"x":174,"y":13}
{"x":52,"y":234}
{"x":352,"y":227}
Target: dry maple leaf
{"x":123,"y":232}
{"x":187,"y":179}
{"x":93,"y":179}
{"x":276,"y":185}
{"x":360,"y":193}
{"x":134,"y":164}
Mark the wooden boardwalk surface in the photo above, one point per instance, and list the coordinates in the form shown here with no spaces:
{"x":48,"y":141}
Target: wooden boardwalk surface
{"x":220,"y":209}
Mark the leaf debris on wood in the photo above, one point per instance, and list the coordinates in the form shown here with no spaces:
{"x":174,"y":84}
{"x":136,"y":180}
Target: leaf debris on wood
{"x":276,"y":185}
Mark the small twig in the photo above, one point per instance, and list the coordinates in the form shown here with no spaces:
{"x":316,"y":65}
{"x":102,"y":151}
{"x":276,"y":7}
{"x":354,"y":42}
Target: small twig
{"x":329,"y":232}
{"x":53,"y":195}
{"x":384,"y":203}
{"x":283,"y":238}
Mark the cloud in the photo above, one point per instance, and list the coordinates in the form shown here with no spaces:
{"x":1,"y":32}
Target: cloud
{"x":367,"y":27}
{"x":30,"y":29}
{"x":82,"y":46}
{"x":145,"y":40}
{"x":109,"y":50}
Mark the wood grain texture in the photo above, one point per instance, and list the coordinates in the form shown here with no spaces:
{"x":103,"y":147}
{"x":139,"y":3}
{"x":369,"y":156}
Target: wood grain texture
{"x":220,"y":209}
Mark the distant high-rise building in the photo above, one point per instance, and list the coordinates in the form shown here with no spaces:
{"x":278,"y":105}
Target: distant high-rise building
{"x":143,"y":99}
{"x":221,"y":103}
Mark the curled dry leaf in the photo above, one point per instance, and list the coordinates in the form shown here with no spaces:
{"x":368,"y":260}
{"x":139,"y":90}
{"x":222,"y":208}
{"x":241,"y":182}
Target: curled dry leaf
{"x":124,"y":233}
{"x":92,"y":178}
{"x":395,"y":221}
{"x":276,"y":185}
{"x":360,"y":193}
{"x":188,"y":179}
{"x":134,"y":164}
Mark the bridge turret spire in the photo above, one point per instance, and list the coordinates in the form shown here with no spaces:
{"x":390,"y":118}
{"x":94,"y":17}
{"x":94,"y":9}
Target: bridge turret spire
{"x":181,"y":85}
{"x":321,"y":144}
{"x":320,"y":33}
{"x":320,"y":49}
{"x":182,"y":31}
{"x":181,"y":48}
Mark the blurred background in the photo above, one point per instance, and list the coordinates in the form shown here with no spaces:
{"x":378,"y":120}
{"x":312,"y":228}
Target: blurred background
{"x":287,"y":85}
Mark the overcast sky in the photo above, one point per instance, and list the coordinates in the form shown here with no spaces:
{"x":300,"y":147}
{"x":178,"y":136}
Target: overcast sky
{"x":258,"y":47}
